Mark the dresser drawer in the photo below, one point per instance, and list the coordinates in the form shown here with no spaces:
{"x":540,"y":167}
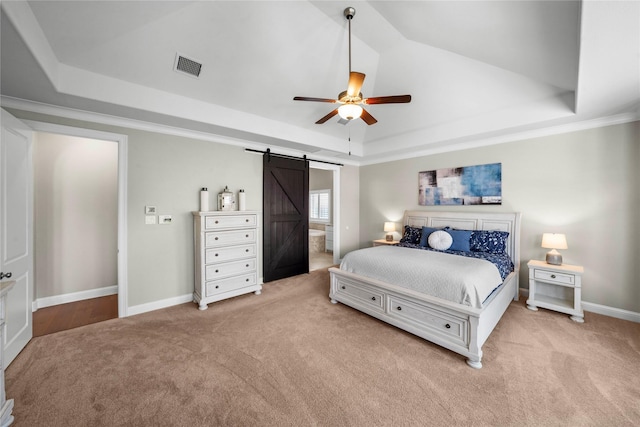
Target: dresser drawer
{"x":230,"y":221}
{"x":225,"y":238}
{"x":433,"y":319}
{"x":552,"y":276}
{"x":216,"y":255}
{"x":226,"y":269}
{"x":230,"y":284}
{"x":372,"y":298}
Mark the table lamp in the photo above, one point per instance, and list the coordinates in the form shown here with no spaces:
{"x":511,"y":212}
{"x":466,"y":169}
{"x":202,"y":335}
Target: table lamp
{"x":554,"y":241}
{"x":389,"y":227}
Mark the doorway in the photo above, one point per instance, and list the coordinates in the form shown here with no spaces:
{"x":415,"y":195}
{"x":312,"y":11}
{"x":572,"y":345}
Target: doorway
{"x":321,"y":215}
{"x":75,"y":231}
{"x":117,"y":284}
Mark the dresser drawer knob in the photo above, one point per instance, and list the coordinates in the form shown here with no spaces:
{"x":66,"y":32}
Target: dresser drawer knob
{"x":399,"y":308}
{"x":246,"y":250}
{"x":373,"y":298}
{"x":216,"y":254}
{"x":246,"y":220}
{"x":216,"y":221}
{"x":216,"y":271}
{"x":448,"y":326}
{"x":343,"y":287}
{"x":247,"y":266}
{"x":246,"y":280}
{"x":246,"y":235}
{"x":217,"y":286}
{"x":216,"y":238}
{"x":553,"y":276}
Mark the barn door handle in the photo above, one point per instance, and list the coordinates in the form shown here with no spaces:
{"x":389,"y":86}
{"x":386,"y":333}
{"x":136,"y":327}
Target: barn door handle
{"x":5,"y":276}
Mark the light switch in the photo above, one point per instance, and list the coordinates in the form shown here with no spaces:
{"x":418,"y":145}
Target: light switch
{"x":164,"y":219}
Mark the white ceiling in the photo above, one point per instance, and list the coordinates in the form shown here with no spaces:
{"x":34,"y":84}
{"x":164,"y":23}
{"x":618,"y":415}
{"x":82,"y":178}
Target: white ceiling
{"x":479,"y":72}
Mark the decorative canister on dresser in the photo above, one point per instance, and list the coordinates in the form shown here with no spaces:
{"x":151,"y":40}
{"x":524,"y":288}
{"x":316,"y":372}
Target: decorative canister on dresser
{"x":226,"y":255}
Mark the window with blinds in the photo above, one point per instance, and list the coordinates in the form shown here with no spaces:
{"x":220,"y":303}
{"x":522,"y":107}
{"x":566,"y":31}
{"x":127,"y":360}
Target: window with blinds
{"x":319,"y":205}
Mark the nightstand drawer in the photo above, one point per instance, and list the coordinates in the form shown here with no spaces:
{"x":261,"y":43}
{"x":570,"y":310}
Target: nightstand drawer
{"x":552,"y":276}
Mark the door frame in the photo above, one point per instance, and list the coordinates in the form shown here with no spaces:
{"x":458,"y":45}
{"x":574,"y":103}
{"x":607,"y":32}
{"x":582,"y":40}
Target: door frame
{"x":122,"y":141}
{"x":335,"y":204}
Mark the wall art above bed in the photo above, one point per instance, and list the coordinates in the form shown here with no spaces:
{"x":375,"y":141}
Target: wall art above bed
{"x":468,"y":185}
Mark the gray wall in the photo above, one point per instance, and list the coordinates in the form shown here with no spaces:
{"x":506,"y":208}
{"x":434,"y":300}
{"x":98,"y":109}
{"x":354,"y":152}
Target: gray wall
{"x":585,"y":184}
{"x":167,"y":172}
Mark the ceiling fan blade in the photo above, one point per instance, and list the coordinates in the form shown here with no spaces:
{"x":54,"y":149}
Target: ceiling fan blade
{"x":395,"y":99}
{"x":355,"y":83}
{"x":305,"y":98}
{"x":327,"y":117}
{"x":368,"y":118}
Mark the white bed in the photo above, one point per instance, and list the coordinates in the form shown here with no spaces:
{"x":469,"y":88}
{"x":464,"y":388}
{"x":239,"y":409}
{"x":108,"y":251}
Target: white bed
{"x":457,"y":327}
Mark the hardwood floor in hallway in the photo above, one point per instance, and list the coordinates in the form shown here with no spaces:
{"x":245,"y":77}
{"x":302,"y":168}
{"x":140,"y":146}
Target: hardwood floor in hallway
{"x":74,"y":314}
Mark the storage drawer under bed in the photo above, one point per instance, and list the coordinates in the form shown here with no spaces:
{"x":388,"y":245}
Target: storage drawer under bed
{"x":370,"y":297}
{"x":431,"y":318}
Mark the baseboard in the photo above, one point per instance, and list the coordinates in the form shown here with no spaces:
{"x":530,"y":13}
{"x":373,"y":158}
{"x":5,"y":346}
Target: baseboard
{"x":605,"y":310}
{"x":165,"y":303}
{"x":157,"y":305}
{"x":73,"y":297}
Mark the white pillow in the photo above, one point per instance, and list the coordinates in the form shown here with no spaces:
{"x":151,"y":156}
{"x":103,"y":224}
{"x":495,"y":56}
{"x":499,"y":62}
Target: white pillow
{"x":440,"y":240}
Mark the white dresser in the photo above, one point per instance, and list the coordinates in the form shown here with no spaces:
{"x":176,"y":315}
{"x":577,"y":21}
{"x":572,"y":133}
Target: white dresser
{"x":226,"y":255}
{"x":6,"y":406}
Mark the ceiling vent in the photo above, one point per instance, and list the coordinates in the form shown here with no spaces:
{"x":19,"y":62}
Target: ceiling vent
{"x":187,"y":66}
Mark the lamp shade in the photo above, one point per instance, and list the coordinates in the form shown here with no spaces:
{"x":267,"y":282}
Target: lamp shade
{"x":350,"y":111}
{"x":389,"y":226}
{"x":554,"y":241}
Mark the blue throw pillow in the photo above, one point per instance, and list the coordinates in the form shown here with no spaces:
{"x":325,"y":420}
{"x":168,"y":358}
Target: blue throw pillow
{"x":424,"y":240}
{"x":460,"y":240}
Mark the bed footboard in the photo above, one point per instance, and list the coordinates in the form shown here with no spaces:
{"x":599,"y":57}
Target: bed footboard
{"x":459,"y":328}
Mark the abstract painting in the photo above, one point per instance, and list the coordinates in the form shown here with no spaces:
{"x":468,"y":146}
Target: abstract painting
{"x":468,"y":185}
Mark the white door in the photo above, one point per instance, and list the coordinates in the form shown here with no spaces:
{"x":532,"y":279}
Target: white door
{"x":16,"y":231}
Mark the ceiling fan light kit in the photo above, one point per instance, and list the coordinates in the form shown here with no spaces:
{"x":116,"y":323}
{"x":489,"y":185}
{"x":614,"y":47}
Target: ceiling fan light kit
{"x":351,"y":99}
{"x":350,"y":111}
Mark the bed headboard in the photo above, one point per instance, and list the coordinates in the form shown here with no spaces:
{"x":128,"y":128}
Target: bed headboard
{"x":509,"y":221}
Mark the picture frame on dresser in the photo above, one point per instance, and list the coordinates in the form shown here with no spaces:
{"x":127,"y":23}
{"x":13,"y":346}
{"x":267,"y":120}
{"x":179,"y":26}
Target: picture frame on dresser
{"x":226,"y":253}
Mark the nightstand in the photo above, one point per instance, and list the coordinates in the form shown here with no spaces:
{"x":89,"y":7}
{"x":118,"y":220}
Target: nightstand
{"x":556,"y":287}
{"x":382,"y":242}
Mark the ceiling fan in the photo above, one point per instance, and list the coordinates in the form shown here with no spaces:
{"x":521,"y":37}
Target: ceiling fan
{"x":351,"y":99}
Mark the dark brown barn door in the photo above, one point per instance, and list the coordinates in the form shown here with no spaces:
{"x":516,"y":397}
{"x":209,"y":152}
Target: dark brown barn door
{"x":286,"y":217}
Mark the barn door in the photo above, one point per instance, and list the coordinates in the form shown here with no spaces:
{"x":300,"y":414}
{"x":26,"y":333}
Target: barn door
{"x":286,"y":217}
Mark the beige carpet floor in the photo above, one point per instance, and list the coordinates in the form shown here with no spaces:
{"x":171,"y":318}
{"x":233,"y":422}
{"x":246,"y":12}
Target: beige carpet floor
{"x":289,"y":357}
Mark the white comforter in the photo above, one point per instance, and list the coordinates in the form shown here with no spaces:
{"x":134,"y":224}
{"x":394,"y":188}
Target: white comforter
{"x":459,"y":279}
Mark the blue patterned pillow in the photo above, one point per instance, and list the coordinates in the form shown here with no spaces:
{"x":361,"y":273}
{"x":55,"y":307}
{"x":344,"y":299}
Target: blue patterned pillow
{"x":411,"y":235}
{"x":489,"y":241}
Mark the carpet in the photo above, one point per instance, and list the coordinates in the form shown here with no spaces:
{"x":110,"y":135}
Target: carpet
{"x":289,"y":357}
